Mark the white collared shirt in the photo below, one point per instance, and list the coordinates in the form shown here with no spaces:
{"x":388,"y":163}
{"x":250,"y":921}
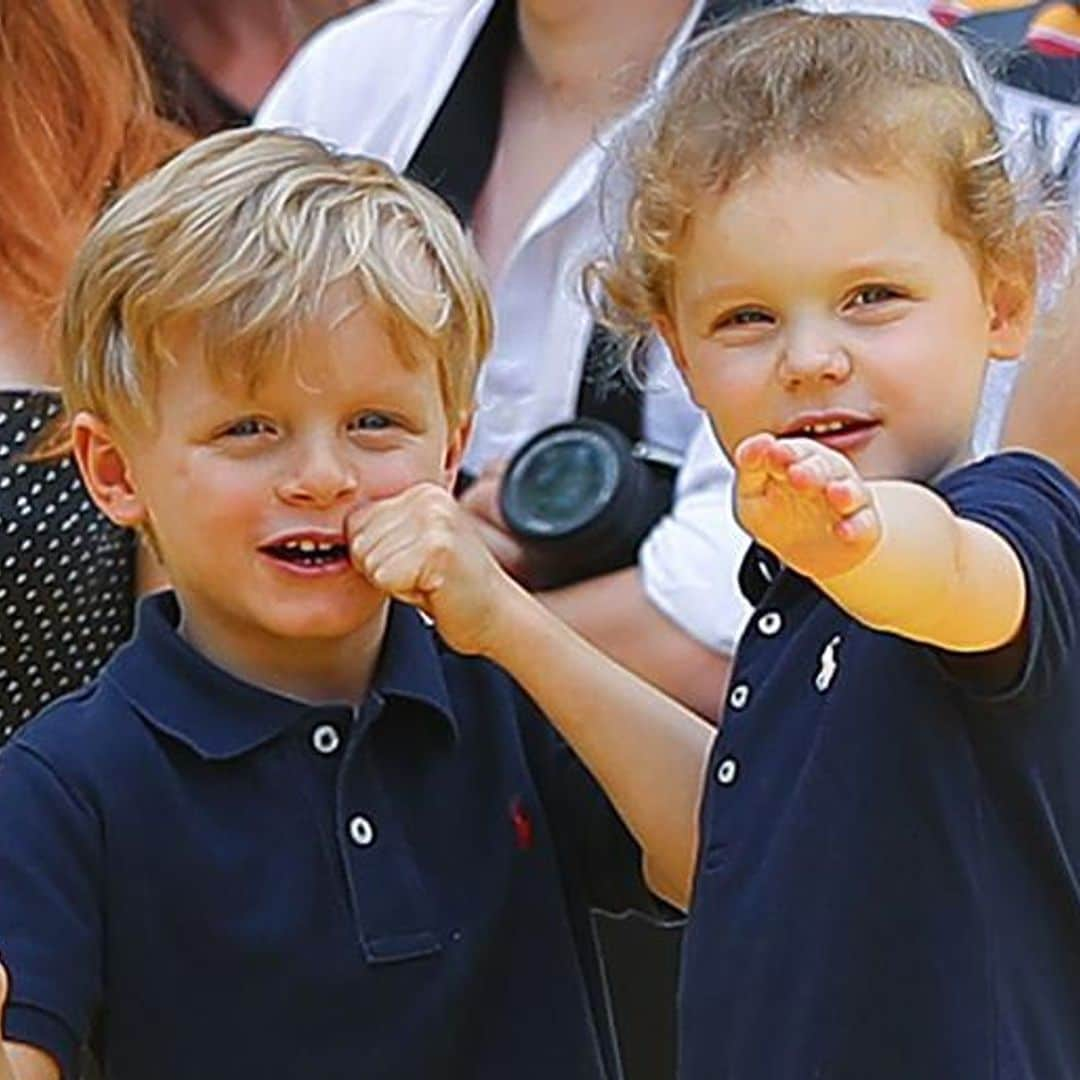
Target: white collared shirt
{"x":372,"y":83}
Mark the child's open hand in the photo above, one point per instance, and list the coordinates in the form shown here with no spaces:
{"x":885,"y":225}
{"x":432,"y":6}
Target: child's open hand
{"x":805,"y":502}
{"x":422,"y":548}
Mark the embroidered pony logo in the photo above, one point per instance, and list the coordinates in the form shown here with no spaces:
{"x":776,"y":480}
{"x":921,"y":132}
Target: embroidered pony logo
{"x":828,"y":665}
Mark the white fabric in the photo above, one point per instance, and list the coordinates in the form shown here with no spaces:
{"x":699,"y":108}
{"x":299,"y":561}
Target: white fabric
{"x":371,"y":83}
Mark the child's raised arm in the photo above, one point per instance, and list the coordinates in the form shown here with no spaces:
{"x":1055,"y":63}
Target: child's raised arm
{"x":647,"y":752}
{"x":891,"y":553}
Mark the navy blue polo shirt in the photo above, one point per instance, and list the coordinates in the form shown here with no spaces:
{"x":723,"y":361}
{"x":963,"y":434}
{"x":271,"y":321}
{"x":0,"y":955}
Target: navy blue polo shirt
{"x":214,"y":881}
{"x":888,"y":884}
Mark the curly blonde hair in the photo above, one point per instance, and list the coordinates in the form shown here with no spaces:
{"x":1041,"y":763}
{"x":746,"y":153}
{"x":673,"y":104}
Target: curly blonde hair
{"x":241,"y":236}
{"x":855,"y":92}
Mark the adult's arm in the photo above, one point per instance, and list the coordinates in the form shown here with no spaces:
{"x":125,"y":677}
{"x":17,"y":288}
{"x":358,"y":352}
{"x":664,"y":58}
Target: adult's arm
{"x":675,"y":618}
{"x":1044,"y":414}
{"x":615,"y":614}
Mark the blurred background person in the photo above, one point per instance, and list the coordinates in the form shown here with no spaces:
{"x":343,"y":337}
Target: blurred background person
{"x":77,"y":123}
{"x":214,"y":60}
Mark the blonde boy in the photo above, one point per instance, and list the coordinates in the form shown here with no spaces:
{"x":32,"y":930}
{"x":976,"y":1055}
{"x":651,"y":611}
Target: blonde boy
{"x":288,"y":833}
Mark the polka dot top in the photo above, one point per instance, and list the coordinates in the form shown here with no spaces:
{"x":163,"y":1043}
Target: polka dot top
{"x":66,"y":573}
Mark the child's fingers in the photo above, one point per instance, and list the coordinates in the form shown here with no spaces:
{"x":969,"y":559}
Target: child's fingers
{"x":416,"y":510}
{"x":810,"y":473}
{"x":753,"y":450}
{"x":783,"y":453}
{"x":817,"y":470}
{"x":366,"y":526}
{"x":378,"y":552}
{"x":860,"y":527}
{"x":752,"y":472}
{"x":412,"y":569}
{"x":376,"y":539}
{"x":846,"y":496}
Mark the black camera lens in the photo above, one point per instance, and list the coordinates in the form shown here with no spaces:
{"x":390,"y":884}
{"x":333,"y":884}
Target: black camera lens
{"x":581,"y":498}
{"x":560,"y":482}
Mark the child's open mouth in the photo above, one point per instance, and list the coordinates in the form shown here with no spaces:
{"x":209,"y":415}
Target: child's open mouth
{"x":841,"y":432}
{"x":305,"y":554}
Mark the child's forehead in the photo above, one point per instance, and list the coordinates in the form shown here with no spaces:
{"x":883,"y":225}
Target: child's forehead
{"x":807,"y":227}
{"x":345,"y":337}
{"x":792,"y":195}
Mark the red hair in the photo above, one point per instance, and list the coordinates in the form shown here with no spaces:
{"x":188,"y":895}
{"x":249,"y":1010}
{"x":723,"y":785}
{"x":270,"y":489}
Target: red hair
{"x":77,"y":121}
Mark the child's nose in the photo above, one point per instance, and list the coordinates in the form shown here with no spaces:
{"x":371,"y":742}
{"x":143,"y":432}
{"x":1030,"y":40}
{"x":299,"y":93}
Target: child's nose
{"x":813,"y":356}
{"x":320,"y":475}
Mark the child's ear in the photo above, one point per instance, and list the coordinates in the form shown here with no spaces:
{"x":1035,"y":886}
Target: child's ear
{"x":106,"y":471}
{"x":1012,"y":312}
{"x":455,"y":450}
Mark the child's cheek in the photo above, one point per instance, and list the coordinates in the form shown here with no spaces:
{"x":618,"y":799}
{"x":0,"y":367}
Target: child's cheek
{"x":392,"y":473}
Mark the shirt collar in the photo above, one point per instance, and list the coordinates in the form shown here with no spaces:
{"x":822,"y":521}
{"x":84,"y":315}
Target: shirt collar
{"x":759,"y":569}
{"x":183,"y":694}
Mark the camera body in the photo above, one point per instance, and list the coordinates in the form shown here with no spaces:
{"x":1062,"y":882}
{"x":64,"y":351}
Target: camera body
{"x":581,"y":497}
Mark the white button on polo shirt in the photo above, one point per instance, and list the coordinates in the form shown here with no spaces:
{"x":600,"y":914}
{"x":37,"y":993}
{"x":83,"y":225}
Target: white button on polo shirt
{"x":325,"y":738}
{"x":727,"y":771}
{"x":739,"y":696}
{"x":770,"y":623}
{"x":361,"y":831}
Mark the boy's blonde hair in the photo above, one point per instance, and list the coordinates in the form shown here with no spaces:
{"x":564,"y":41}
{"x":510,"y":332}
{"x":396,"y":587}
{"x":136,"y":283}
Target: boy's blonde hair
{"x":855,"y":92}
{"x":240,"y":237}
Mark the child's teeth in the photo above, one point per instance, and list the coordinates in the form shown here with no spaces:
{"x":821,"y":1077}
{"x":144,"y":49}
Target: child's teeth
{"x":307,"y":545}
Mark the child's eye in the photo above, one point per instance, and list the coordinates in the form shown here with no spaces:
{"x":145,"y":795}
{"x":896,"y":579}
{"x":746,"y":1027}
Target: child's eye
{"x":869,"y":295}
{"x":371,"y":422}
{"x":743,"y":317}
{"x":247,"y":428}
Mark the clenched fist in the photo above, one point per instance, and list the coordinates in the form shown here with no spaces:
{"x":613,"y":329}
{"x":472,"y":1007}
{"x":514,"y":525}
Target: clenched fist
{"x":422,"y":548}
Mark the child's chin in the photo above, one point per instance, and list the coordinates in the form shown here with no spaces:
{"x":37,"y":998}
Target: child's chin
{"x":327,"y":621}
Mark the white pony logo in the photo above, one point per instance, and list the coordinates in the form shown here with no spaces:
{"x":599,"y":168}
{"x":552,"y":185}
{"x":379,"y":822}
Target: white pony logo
{"x":827,"y":670}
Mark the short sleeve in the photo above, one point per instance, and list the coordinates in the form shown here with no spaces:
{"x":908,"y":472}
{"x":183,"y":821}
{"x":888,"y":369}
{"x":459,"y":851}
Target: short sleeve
{"x":597,"y":852}
{"x":1036,"y":508}
{"x":690,"y":560}
{"x":50,"y":908}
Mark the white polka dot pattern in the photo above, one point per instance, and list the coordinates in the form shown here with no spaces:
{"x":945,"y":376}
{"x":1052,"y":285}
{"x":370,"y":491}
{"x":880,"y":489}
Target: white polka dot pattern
{"x":66,"y":573}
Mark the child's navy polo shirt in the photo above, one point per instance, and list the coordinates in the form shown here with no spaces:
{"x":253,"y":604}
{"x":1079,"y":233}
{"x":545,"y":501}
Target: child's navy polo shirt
{"x":888,"y":884}
{"x":220,"y":882}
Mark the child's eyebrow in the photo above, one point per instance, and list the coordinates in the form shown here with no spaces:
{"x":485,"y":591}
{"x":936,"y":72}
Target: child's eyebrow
{"x":703,"y":301}
{"x":885,"y":266}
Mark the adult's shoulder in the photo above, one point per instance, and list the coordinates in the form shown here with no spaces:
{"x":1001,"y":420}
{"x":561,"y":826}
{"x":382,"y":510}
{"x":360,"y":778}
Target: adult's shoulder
{"x":371,"y":82}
